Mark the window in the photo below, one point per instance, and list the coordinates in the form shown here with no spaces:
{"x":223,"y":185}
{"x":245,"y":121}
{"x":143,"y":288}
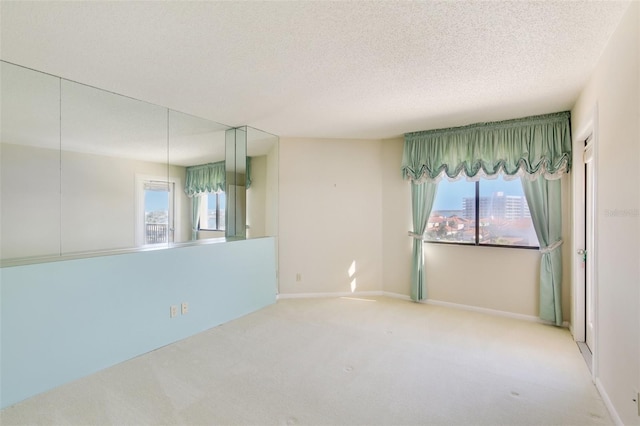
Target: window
{"x":488,"y":212}
{"x":212,"y":211}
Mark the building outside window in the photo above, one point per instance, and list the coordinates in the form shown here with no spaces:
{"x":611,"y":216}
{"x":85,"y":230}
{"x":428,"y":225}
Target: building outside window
{"x":487,"y":212}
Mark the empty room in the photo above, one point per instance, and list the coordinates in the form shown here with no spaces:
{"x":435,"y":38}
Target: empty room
{"x":319,"y":212}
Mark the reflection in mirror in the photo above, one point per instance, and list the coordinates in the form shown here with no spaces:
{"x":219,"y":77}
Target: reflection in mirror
{"x":114,"y":171}
{"x":230,"y":182}
{"x":262,"y":192}
{"x":197,"y":160}
{"x":242,"y":183}
{"x":87,"y":171}
{"x":30,"y":163}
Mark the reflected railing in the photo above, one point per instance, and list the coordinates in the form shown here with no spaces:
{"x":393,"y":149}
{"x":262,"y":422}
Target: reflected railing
{"x":156,"y":233}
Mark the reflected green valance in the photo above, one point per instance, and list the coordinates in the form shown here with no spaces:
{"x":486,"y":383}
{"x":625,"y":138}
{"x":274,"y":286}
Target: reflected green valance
{"x":210,"y":178}
{"x":205,"y":178}
{"x":530,"y":147}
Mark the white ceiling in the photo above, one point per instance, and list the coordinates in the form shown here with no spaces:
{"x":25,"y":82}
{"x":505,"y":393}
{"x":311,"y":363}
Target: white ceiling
{"x":322,"y":69}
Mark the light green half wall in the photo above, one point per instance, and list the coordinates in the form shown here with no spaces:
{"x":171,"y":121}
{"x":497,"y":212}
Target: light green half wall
{"x":65,"y":320}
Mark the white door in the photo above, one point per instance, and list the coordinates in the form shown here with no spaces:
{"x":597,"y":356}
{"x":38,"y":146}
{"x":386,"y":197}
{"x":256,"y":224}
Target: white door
{"x":589,"y":241}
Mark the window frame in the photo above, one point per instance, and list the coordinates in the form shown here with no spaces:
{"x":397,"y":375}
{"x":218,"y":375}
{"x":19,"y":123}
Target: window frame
{"x":476,"y":243}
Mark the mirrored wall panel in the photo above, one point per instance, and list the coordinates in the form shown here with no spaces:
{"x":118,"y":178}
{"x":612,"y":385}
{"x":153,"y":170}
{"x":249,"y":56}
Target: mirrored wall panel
{"x":113,"y":166}
{"x":236,"y":160}
{"x":197,"y":175}
{"x":30,"y":163}
{"x":262,"y":186}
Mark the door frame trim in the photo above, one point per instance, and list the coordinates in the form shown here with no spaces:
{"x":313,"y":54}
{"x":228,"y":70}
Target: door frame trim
{"x":578,"y":328}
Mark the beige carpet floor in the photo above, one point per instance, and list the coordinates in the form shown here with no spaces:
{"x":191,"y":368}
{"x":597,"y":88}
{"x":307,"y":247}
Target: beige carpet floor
{"x":343,"y":361}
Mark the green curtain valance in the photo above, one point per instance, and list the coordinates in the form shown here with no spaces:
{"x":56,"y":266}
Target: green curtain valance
{"x":205,"y":178}
{"x":210,"y":178}
{"x":531,"y":147}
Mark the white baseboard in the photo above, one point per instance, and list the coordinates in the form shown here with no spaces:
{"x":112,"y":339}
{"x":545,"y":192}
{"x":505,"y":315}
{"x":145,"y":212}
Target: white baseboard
{"x":327,"y":295}
{"x":607,"y":402}
{"x":488,"y":311}
{"x":396,"y":296}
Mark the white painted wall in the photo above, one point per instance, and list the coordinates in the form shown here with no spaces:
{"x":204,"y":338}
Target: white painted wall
{"x":488,"y":277}
{"x":330,"y":215}
{"x":615,"y":88}
{"x":397,"y":246}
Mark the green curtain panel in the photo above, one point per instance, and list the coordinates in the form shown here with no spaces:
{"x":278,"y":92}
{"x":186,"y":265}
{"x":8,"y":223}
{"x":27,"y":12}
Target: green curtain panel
{"x":545,"y":199}
{"x":248,"y":177}
{"x":195,"y":216}
{"x":538,"y":149}
{"x":422,"y":197}
{"x":534,"y":146}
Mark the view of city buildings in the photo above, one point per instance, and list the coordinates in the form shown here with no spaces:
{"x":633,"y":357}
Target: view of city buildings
{"x":503,"y":220}
{"x":499,"y":205}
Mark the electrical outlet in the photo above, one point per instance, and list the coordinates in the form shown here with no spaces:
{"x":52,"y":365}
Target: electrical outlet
{"x":185,"y":308}
{"x":298,"y":277}
{"x":173,"y":311}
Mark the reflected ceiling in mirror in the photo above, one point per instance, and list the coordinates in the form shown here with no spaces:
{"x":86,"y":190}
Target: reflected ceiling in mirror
{"x":98,"y":122}
{"x":30,"y":107}
{"x":194,"y":141}
{"x":259,"y":142}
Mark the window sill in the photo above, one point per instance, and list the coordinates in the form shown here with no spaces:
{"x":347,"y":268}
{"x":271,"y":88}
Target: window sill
{"x":455,"y":243}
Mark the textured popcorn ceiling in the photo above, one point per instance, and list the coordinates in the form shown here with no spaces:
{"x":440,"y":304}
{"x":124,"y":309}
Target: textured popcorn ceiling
{"x":322,"y":69}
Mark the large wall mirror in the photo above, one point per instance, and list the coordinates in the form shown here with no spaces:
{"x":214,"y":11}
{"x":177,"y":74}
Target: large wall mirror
{"x":84,"y":171}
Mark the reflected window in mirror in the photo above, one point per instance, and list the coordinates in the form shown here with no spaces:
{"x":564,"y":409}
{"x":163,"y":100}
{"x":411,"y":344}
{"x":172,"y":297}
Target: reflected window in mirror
{"x":212,"y":215}
{"x":158,"y":210}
